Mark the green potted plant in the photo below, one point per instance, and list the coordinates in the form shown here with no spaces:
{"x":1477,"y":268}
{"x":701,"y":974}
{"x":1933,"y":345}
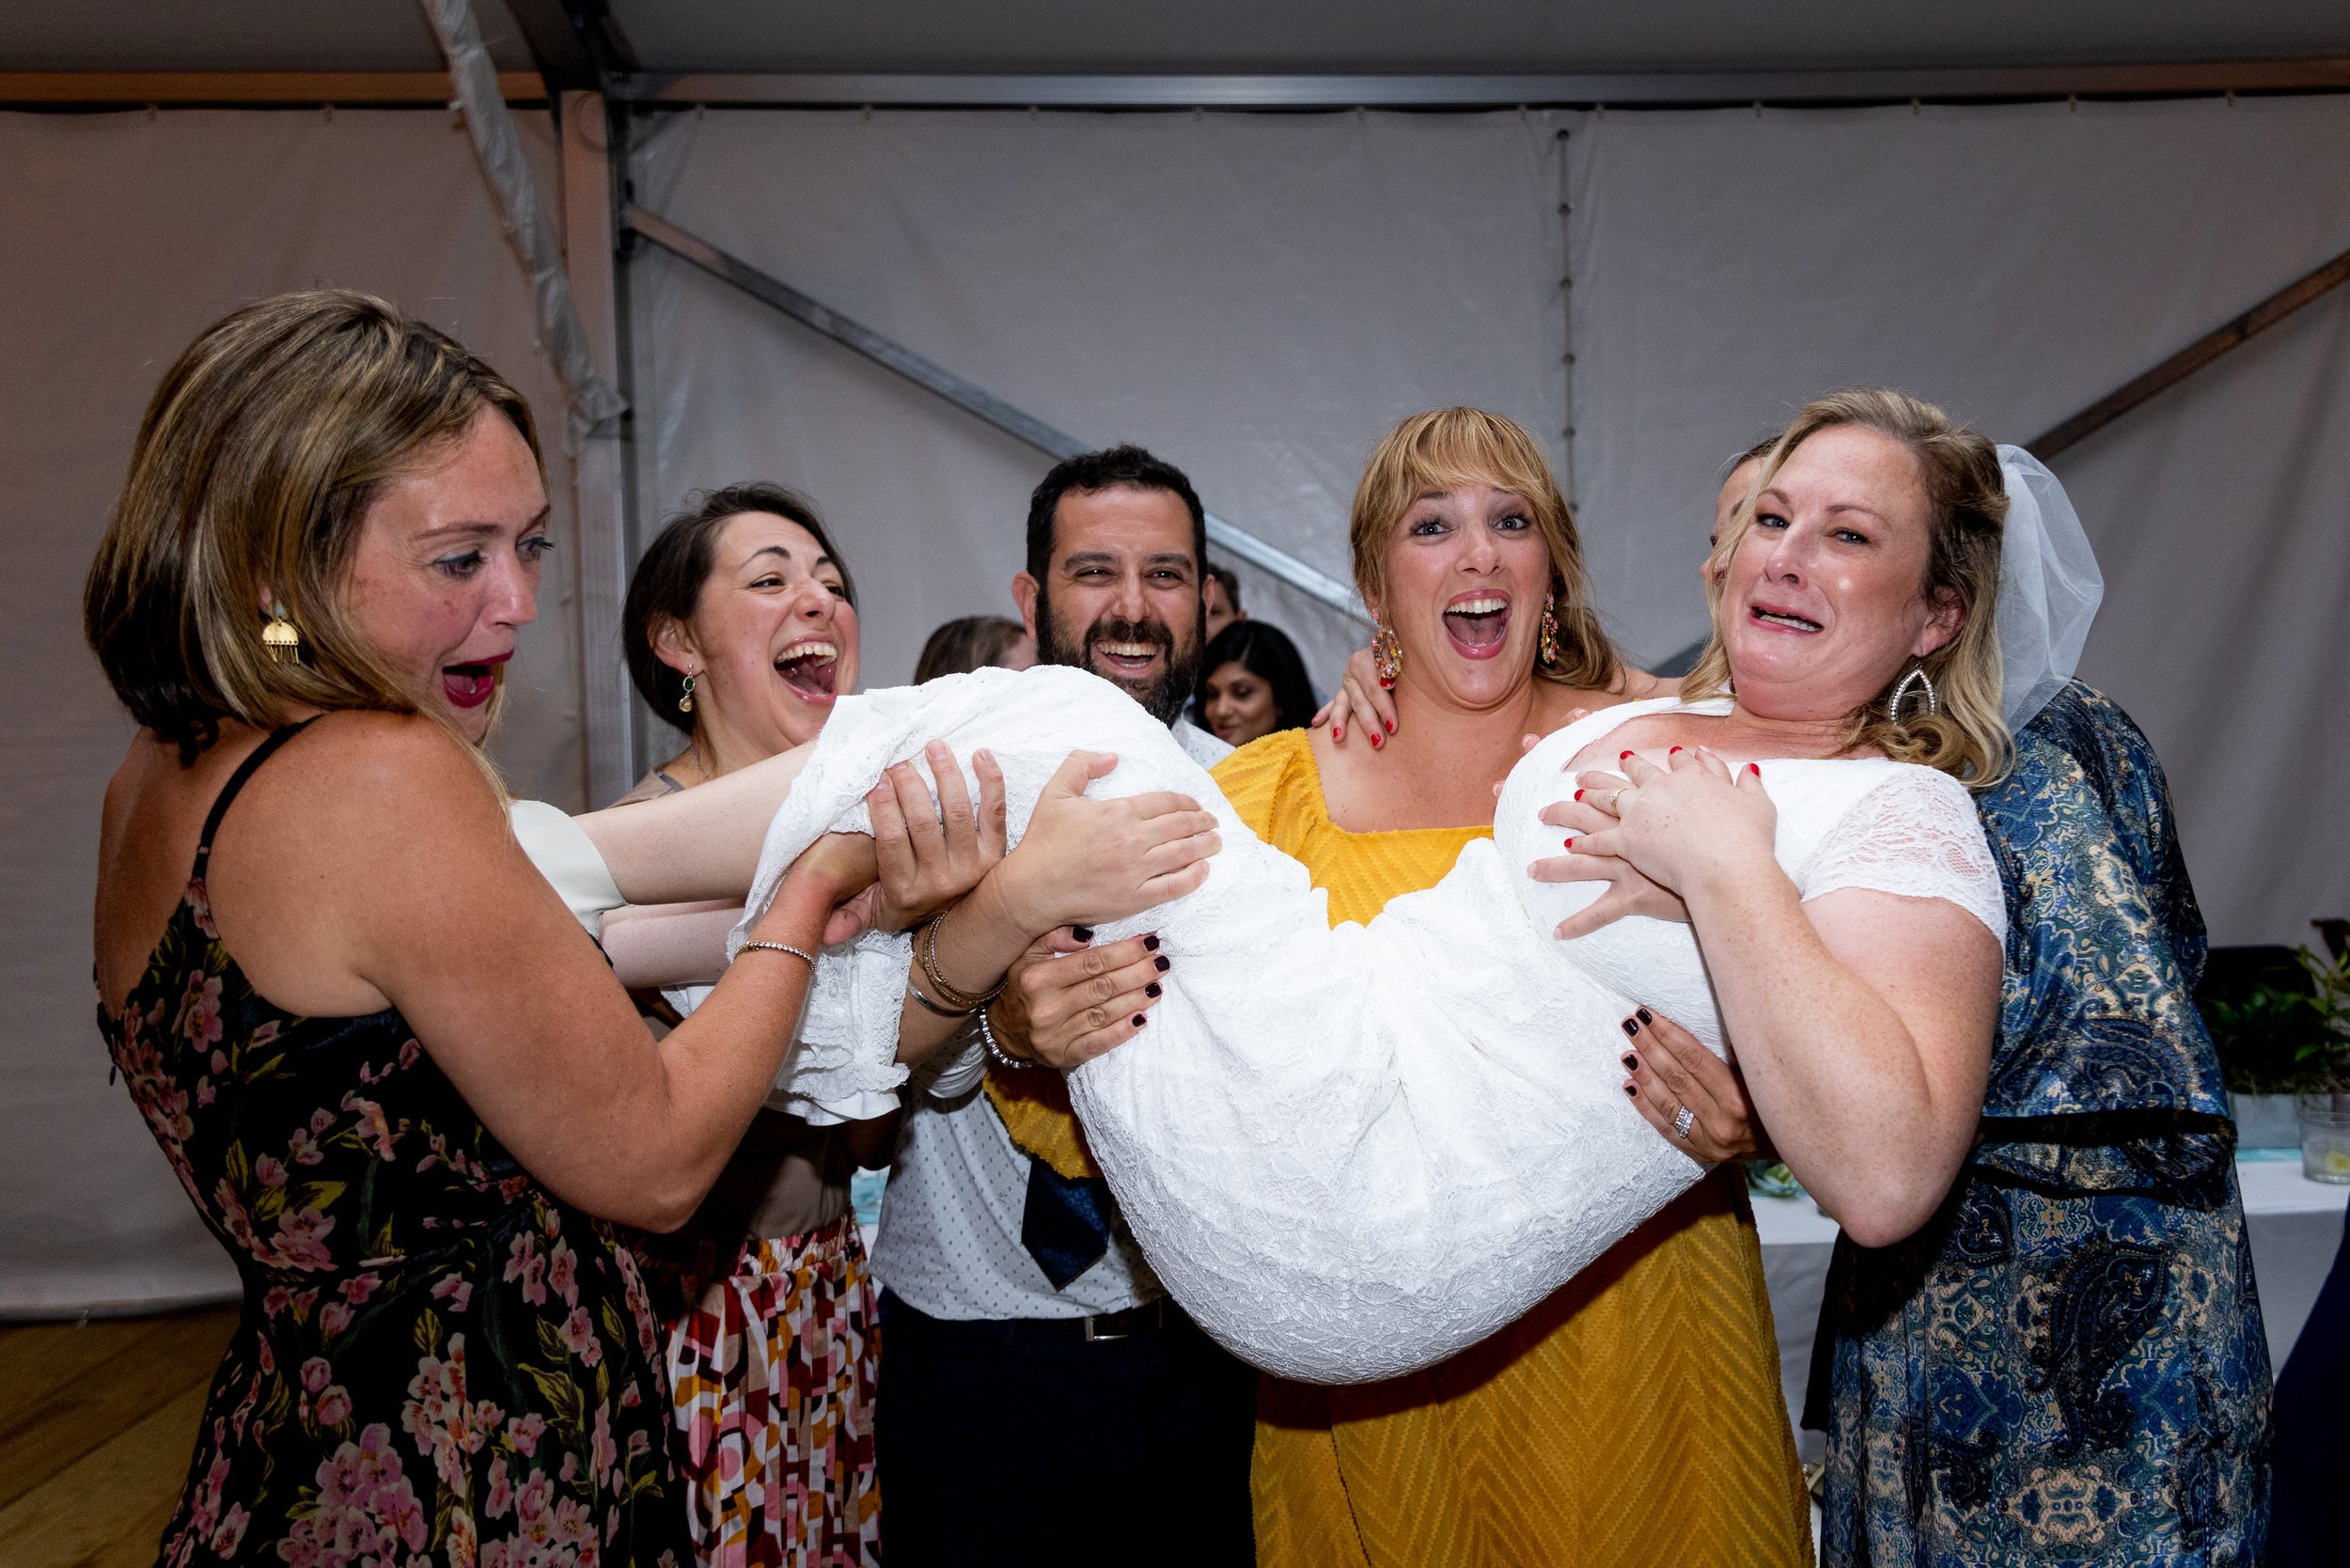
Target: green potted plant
{"x":2270,"y":1028}
{"x":2325,"y":1100}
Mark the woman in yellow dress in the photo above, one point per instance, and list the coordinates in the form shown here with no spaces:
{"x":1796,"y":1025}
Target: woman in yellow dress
{"x":1634,"y":1417}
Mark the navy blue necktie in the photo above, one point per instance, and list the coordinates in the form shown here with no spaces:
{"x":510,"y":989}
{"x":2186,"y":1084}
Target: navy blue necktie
{"x":1065,"y":1224}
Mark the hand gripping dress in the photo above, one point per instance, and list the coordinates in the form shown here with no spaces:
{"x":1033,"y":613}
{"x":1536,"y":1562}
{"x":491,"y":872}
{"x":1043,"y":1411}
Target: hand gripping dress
{"x":439,"y":1362}
{"x":1632,"y":1418}
{"x":2066,"y":1365}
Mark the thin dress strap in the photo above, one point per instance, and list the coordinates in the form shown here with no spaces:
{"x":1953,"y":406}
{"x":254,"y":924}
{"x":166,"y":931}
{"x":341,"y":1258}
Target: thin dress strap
{"x":254,"y":759}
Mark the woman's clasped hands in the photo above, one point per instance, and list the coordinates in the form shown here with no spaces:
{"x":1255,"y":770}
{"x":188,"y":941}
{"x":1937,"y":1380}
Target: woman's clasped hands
{"x":1648,"y":831}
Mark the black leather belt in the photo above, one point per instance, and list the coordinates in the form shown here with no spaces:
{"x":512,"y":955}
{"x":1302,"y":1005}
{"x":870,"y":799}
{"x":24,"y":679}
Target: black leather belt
{"x":1151,"y":1317}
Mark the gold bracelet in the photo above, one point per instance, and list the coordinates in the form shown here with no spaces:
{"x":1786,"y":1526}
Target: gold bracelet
{"x":776,"y":948}
{"x":950,"y":993}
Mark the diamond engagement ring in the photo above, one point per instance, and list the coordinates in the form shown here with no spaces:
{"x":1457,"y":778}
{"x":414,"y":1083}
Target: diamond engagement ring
{"x":1683,"y":1120}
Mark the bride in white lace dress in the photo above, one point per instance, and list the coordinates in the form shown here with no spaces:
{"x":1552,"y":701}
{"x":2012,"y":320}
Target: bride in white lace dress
{"x":1350,"y":1152}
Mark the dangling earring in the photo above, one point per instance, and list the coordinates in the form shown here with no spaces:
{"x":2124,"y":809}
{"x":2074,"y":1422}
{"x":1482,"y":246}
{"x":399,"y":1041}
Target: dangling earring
{"x":1549,"y":650}
{"x":1387,"y":651}
{"x":685,"y":698}
{"x":1917,"y":676}
{"x":280,"y":637}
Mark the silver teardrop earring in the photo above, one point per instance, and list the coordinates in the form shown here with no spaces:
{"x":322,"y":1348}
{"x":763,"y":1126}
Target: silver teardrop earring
{"x":1917,"y":676}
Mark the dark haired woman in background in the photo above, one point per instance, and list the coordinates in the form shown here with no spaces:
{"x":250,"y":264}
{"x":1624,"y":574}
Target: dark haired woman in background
{"x":975,"y":642}
{"x":740,"y":629}
{"x":1252,"y":683}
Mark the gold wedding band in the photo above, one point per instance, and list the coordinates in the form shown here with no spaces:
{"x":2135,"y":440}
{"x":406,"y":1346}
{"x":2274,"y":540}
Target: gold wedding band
{"x":1613,"y":796}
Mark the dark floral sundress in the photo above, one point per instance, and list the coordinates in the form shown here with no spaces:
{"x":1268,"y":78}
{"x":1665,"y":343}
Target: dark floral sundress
{"x":438,"y":1362}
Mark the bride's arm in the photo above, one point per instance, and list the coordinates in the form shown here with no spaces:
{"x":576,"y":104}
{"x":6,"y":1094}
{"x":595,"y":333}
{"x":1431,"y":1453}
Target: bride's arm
{"x":698,"y":844}
{"x":1863,"y":1019}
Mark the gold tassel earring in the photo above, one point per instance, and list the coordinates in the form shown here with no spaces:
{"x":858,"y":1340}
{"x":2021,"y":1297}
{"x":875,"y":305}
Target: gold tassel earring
{"x":280,"y":637}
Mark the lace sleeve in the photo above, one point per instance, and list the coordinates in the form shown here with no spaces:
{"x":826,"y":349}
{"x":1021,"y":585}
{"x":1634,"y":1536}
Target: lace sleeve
{"x":1915,"y":835}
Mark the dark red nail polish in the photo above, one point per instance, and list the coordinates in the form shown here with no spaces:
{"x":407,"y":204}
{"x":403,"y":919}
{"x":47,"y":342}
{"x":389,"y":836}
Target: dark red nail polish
{"x":1755,"y":768}
{"x":1139,"y":1020}
{"x":1374,"y":740}
{"x":1082,"y":934}
{"x":1151,"y":989}
{"x":1644,"y":1014}
{"x":1632,"y":1025}
{"x":1578,"y":794}
{"x":1673,"y":751}
{"x":1151,"y":943}
{"x":1570,"y":844}
{"x":1386,"y":684}
{"x":1631,"y":1062}
{"x":1624,"y":756}
{"x":1632,"y":1090}
{"x":1161,"y":964}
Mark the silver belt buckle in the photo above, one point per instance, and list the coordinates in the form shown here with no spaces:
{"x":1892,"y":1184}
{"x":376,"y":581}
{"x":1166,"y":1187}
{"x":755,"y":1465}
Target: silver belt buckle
{"x":1094,"y":1336}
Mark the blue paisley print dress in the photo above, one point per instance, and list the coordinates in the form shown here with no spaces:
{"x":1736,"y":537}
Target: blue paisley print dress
{"x":438,"y":1362}
{"x":2067,"y":1364}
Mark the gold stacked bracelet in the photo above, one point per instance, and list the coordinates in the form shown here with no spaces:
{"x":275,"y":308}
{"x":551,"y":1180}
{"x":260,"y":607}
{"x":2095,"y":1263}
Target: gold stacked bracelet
{"x":950,"y":994}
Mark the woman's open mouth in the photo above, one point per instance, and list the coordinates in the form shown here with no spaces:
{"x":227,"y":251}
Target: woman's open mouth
{"x":810,"y":668}
{"x":1478,"y":623}
{"x":1786,"y":620}
{"x":470,"y":685}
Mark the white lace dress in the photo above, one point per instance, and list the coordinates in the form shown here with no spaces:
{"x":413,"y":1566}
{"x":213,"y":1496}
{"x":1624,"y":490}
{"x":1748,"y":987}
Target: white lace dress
{"x":1352,"y":1151}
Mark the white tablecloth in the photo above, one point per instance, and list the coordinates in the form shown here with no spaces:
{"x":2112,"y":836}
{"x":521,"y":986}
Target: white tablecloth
{"x":2295,"y":1225}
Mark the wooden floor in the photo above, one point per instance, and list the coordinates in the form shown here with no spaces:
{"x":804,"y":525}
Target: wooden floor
{"x":99,"y":1418}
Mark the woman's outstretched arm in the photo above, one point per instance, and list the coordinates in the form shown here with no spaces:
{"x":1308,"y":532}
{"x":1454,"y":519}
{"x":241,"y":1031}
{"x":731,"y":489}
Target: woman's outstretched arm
{"x":698,"y":844}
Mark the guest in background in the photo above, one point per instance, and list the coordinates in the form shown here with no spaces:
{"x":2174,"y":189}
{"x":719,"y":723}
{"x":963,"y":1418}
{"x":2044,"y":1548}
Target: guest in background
{"x":740,"y":630}
{"x":1252,"y":684}
{"x":975,"y":642}
{"x":1219,"y":592}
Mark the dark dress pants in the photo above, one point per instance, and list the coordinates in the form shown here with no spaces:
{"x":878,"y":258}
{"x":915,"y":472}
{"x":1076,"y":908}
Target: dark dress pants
{"x":1018,"y":1442}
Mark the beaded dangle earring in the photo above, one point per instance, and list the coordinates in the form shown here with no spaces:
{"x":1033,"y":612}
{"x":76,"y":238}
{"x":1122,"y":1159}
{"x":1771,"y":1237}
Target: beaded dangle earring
{"x":1917,"y":676}
{"x":1548,"y":652}
{"x":279,"y":635}
{"x":1387,"y":651}
{"x":685,"y":698}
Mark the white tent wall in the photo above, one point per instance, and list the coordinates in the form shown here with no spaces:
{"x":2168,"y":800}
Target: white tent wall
{"x":126,"y":234}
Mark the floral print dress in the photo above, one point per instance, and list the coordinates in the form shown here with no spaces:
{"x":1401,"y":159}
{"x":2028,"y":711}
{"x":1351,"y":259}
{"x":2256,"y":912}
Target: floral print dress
{"x":438,"y":1362}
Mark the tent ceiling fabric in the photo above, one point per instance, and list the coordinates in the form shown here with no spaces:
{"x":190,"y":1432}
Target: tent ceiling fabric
{"x":1284,"y":36}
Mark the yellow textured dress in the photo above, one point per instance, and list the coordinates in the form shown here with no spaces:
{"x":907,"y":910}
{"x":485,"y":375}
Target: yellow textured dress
{"x":1635,"y":1417}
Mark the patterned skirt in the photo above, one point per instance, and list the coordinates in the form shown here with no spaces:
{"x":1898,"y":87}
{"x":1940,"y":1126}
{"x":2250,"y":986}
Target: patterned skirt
{"x":771,"y":1355}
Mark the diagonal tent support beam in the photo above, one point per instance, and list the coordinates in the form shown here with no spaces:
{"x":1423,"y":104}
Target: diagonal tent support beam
{"x":592,"y":400}
{"x":2180,"y":365}
{"x":973,"y":399}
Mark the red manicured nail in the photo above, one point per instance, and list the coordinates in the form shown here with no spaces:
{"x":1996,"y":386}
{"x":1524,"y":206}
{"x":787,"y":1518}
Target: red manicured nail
{"x":1374,"y":740}
{"x":1334,"y":733}
{"x":1674,"y":750}
{"x":1624,"y":756}
{"x":1578,"y":794}
{"x":1570,"y":843}
{"x":1390,"y":727}
{"x":1755,"y":768}
{"x":1386,"y":684}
